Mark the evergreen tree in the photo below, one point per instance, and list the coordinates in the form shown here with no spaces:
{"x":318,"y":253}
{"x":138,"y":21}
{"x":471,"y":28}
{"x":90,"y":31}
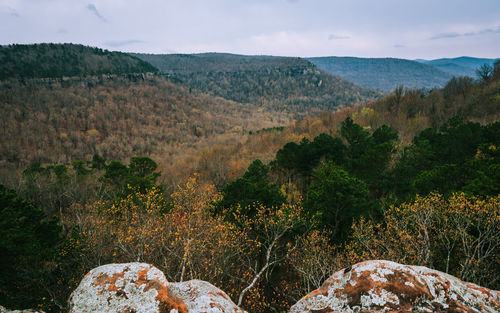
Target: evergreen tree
{"x":253,"y":189}
{"x":28,"y":241}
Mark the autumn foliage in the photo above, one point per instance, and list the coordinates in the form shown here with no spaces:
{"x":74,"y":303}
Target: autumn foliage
{"x":262,"y":211}
{"x":459,"y":235}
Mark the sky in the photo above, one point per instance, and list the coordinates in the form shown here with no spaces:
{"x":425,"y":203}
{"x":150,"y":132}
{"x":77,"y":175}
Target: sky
{"x":412,"y":29}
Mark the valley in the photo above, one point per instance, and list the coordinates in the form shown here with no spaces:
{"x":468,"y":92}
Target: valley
{"x":262,"y":175}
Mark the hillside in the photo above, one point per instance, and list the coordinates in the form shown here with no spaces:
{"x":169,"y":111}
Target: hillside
{"x":281,"y":209}
{"x":117,"y":118}
{"x":406,"y":111}
{"x":383,"y":73}
{"x":58,"y":60}
{"x":135,"y":167}
{"x":277,"y":83}
{"x":462,"y":66}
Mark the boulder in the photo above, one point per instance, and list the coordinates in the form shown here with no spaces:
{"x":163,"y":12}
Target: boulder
{"x":4,"y":310}
{"x":128,"y":287}
{"x":203,"y":297}
{"x":384,"y":286}
{"x":140,"y":287}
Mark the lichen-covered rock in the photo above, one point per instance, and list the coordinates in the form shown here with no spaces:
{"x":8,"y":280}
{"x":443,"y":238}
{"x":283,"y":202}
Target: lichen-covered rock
{"x":4,"y":310}
{"x":384,"y":286}
{"x":202,"y":297}
{"x":128,"y":287}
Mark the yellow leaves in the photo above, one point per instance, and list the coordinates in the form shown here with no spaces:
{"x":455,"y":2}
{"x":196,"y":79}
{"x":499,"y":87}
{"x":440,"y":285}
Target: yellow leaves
{"x":461,"y":231}
{"x":93,"y":133}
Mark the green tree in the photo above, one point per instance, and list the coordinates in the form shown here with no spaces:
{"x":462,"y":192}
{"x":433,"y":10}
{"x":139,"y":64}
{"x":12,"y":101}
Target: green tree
{"x":372,"y":164}
{"x":447,"y":159}
{"x":98,"y":162}
{"x":142,"y":166}
{"x":443,"y":179}
{"x":141,"y":173}
{"x":254,"y":188}
{"x":335,"y":198}
{"x":28,"y":241}
{"x":328,"y":148}
{"x":357,"y":138}
{"x":116,"y":177}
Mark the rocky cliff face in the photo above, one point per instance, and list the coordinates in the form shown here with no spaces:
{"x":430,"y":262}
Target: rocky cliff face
{"x":384,"y":286}
{"x":139,"y":287}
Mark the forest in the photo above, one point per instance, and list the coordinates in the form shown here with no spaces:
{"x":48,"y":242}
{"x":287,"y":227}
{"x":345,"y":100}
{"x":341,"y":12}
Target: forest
{"x":58,"y":60}
{"x":276,"y":83}
{"x":384,"y":73}
{"x":263,"y":206}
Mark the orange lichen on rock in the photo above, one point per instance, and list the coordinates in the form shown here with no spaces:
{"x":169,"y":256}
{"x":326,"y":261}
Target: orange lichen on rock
{"x":130,"y":287}
{"x":201,"y":297}
{"x":140,"y":287}
{"x":384,"y":286}
{"x":168,"y":300}
{"x":108,"y":282}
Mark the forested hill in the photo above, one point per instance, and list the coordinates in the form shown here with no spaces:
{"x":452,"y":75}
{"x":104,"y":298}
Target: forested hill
{"x":216,"y":62}
{"x":384,"y":73}
{"x":462,"y":66}
{"x":287,"y":83}
{"x":116,"y":118}
{"x":285,"y":206}
{"x":57,"y":60}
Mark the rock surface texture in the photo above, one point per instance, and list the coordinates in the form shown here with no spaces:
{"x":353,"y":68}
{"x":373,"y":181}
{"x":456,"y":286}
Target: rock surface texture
{"x":384,"y":286}
{"x":202,"y":297}
{"x":128,"y":287}
{"x":142,"y":288}
{"x":4,"y":310}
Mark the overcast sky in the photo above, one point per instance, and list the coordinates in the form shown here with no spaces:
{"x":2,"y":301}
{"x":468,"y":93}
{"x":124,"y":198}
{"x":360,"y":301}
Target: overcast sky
{"x":364,"y":28}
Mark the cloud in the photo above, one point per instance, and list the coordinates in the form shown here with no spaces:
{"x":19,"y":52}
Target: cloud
{"x":336,"y":37}
{"x":10,"y":11}
{"x":121,"y":43}
{"x":490,"y":30}
{"x":399,"y":46}
{"x":91,"y":7}
{"x":446,"y":35}
{"x":455,"y":35}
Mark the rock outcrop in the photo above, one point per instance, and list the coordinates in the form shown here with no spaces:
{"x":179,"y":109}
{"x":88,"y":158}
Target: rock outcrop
{"x":384,"y":286}
{"x":128,"y":287}
{"x":4,"y":310}
{"x":203,"y":297}
{"x":142,"y":288}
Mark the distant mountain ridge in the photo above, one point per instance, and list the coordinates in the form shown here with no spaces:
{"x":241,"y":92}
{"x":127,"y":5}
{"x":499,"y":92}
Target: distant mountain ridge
{"x":210,"y":62}
{"x":384,"y":73}
{"x":388,"y":73}
{"x":289,"y":83}
{"x":461,"y":66}
{"x":49,"y":60}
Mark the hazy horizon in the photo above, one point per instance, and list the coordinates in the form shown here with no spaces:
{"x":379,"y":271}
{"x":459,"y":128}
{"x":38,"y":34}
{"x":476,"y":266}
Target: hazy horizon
{"x":360,"y":28}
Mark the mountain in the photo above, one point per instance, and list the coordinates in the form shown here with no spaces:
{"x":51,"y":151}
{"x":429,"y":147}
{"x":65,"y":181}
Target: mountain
{"x":462,"y":66}
{"x":59,"y":121}
{"x":407,"y":111}
{"x":383,"y":73}
{"x":277,"y":83}
{"x":58,"y":60}
{"x":57,"y":105}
